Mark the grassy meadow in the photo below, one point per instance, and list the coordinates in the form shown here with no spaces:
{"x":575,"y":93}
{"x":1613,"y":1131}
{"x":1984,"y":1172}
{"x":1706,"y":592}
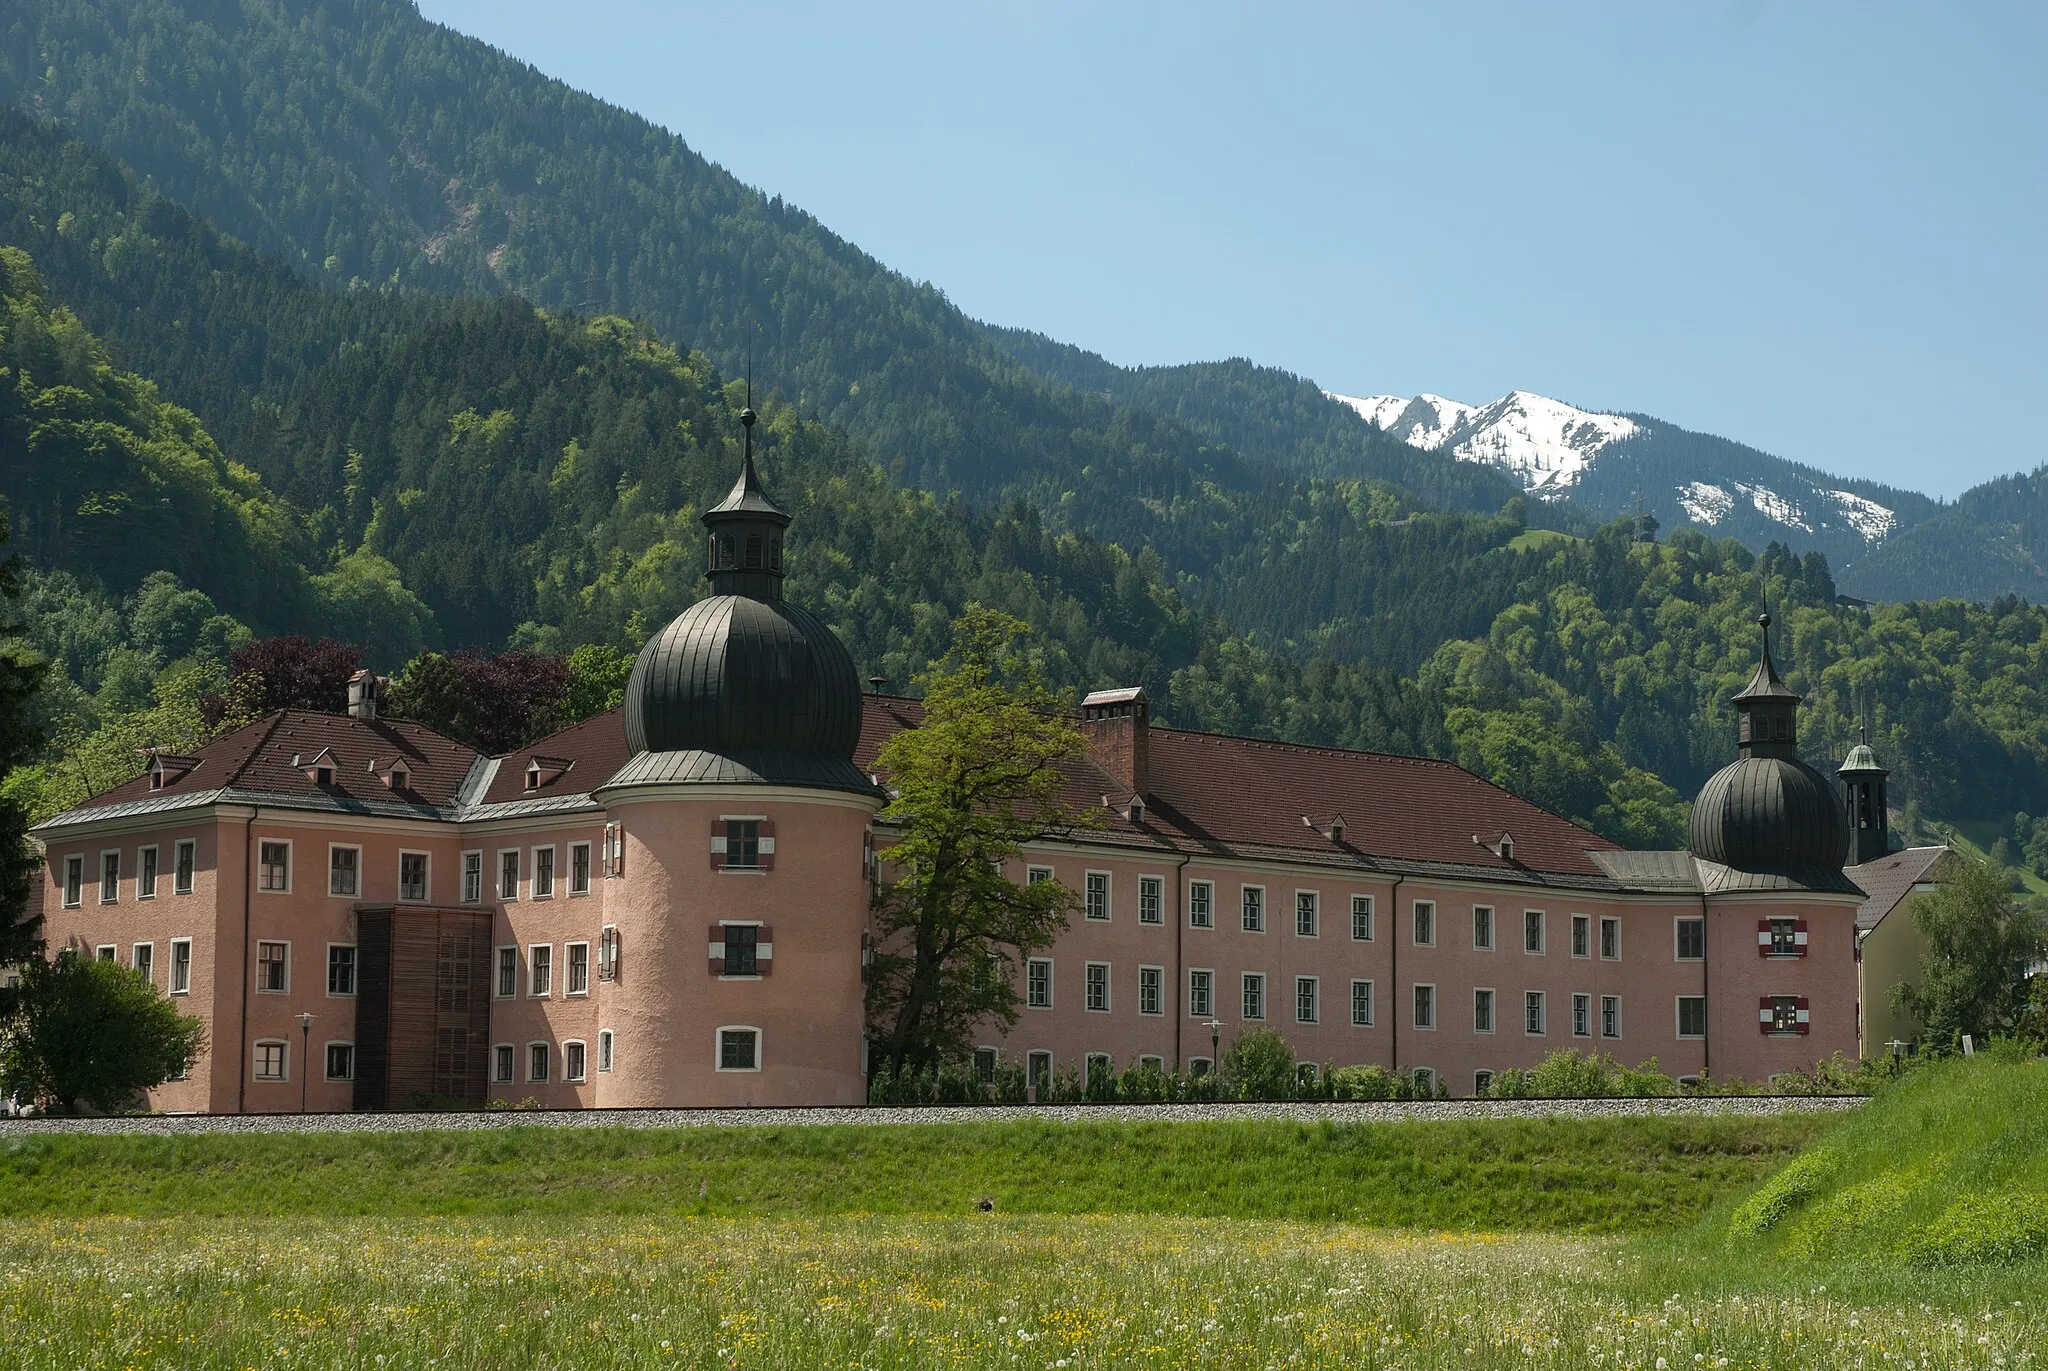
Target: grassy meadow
{"x":602,"y":1248}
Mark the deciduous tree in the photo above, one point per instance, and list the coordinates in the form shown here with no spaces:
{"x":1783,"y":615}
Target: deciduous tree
{"x":1981,"y":944}
{"x":92,"y":1033}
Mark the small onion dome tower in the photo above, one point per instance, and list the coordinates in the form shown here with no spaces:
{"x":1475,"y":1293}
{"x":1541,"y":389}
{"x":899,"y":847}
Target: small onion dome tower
{"x":1768,"y":813}
{"x":743,"y":687}
{"x":1864,"y":800}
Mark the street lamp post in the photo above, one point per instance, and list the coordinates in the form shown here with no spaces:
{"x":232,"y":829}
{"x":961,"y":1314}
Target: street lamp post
{"x":1215,"y":1027}
{"x":305,"y":1056}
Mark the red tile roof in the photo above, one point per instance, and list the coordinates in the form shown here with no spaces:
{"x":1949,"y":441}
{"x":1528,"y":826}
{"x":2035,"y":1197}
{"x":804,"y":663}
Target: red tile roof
{"x":1889,"y":879}
{"x":595,"y":748}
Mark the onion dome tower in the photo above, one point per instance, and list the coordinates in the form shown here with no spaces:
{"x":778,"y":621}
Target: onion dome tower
{"x":1767,"y":813}
{"x":1864,"y":800}
{"x":744,"y":687}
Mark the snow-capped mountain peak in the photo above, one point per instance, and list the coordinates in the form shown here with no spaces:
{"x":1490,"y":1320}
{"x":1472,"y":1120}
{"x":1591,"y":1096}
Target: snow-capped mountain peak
{"x":1545,"y":442}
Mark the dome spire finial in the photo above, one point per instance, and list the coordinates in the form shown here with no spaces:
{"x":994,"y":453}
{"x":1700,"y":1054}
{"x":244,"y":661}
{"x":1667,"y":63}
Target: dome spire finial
{"x":744,"y":554}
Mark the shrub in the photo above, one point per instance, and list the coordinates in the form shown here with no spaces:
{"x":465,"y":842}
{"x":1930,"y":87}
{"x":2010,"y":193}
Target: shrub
{"x":1145,"y":1084}
{"x":1261,"y":1065}
{"x":1842,"y":1222}
{"x":2004,"y":1226}
{"x":1362,"y":1083}
{"x":1777,"y":1197}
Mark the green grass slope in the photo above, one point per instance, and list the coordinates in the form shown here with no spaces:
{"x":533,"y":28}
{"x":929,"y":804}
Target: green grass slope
{"x":1591,"y":1175}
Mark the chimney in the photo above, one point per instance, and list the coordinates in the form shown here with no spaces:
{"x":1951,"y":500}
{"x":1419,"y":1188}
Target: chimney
{"x":364,"y":690}
{"x":1115,"y":723}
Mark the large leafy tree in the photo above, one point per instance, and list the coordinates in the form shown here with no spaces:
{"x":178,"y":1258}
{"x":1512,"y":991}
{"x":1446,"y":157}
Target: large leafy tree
{"x":92,"y":1033}
{"x":1981,"y":945}
{"x":976,"y":780}
{"x":21,"y":673}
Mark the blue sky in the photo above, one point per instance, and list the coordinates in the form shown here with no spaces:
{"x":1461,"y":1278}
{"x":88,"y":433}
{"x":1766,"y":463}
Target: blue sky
{"x":1815,"y":228}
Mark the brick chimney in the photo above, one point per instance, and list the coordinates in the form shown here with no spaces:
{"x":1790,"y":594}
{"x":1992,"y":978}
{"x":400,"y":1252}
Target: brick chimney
{"x":1115,"y":723}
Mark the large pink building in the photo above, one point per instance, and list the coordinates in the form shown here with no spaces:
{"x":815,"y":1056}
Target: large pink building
{"x":668,"y":904}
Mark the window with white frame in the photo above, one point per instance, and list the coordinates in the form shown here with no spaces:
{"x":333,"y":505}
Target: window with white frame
{"x":1425,"y":923}
{"x":1151,"y":900}
{"x":1361,"y":1004}
{"x":1306,"y":1009}
{"x":1201,"y":904}
{"x":1095,"y":987}
{"x":1254,"y":987}
{"x":508,"y":873}
{"x":1096,"y":900}
{"x":539,"y":1057}
{"x":1610,"y":1016}
{"x":1482,"y":1081}
{"x":1691,"y":937}
{"x":579,"y":868}
{"x":187,"y":863}
{"x":1532,"y":931}
{"x":181,"y":966}
{"x":412,"y":875}
{"x":508,"y":973}
{"x":1425,"y":1006}
{"x":145,"y":872}
{"x":344,"y":870}
{"x":107,"y":952}
{"x":341,"y":1061}
{"x":540,"y":970}
{"x":1692,"y":1016}
{"x":1037,"y":875}
{"x":341,"y":969}
{"x":1582,"y":1016}
{"x":1361,"y":918}
{"x":572,"y":1060}
{"x":1148,"y":1061}
{"x":1095,"y":1066}
{"x":1610,"y":938}
{"x":273,"y":968}
{"x":1038,"y":983}
{"x":1151,"y":990}
{"x":1482,"y":927}
{"x":110,"y":876}
{"x":1307,"y":912}
{"x":74,"y":880}
{"x":604,"y":1049}
{"x":1200,"y":1066}
{"x":577,"y":982}
{"x":143,"y":959}
{"x":544,"y":873}
{"x":739,"y":1049}
{"x":1582,"y":936}
{"x":1201,"y":989}
{"x":272,"y":1060}
{"x":743,"y":845}
{"x":274,"y":866}
{"x":1254,"y":900}
{"x":1482,"y":1011}
{"x":1533,"y":1013}
{"x":472,"y":877}
{"x":1038,"y":1069}
{"x":501,"y":1063}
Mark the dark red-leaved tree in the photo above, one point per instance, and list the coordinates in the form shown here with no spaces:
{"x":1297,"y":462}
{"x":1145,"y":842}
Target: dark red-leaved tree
{"x":291,"y":673}
{"x":494,"y":703}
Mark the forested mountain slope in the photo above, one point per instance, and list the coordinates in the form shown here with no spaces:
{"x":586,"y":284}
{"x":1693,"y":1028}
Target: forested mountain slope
{"x":1993,"y":541}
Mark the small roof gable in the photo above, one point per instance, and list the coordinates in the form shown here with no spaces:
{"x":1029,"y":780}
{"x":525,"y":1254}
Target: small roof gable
{"x":1889,"y":879}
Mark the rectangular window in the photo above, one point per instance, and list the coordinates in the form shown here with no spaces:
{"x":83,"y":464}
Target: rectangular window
{"x":1482,"y":1081}
{"x":1361,"y":1004}
{"x":343,"y":865}
{"x":1482,"y":1011}
{"x":412,"y":875}
{"x":273,"y":968}
{"x":1307,"y":912}
{"x":1582,"y":1016}
{"x":1425,"y":1006}
{"x":1038,"y":1068}
{"x":1097,"y":898}
{"x":578,"y":982}
{"x":1200,"y":1066}
{"x":1482,"y":927}
{"x":1532,"y":931}
{"x":188,"y":861}
{"x":501,"y":1063}
{"x":739,"y":1049}
{"x":604,"y":1049}
{"x":572,"y":1061}
{"x":1038,"y":983}
{"x":1610,"y":939}
{"x":742,"y":844}
{"x":341,"y":1061}
{"x":1533,"y":1013}
{"x":1151,"y":981}
{"x":1692,"y":940}
{"x":742,"y":949}
{"x":508,"y":874}
{"x":1200,"y":984}
{"x":1610,"y":1016}
{"x":1692,"y":1016}
{"x":1095,"y":983}
{"x":145,"y":961}
{"x":271,"y":1061}
{"x":1785,"y":1015}
{"x":74,"y":880}
{"x":579,"y":868}
{"x":145,"y":873}
{"x":1361,"y":918}
{"x":540,"y":970}
{"x":508,"y":974}
{"x":1425,"y":923}
{"x":1095,"y":1066}
{"x":1201,"y":904}
{"x":1305,"y":999}
{"x":274,"y":866}
{"x":181,"y":966}
{"x":1254,"y":986}
{"x":472,"y":877}
{"x":341,"y":969}
{"x":1037,"y":875}
{"x":107,"y":952}
{"x":537,"y":1055}
{"x":1784,"y":938}
{"x":1151,"y":900}
{"x":544,"y":873}
{"x":110,"y":877}
{"x":1254,"y":898}
{"x":1582,"y":937}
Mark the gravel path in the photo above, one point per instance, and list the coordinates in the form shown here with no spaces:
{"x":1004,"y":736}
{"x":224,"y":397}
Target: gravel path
{"x":1299,"y":1112}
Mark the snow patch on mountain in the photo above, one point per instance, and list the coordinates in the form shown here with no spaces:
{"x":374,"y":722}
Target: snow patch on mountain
{"x":1866,"y":516}
{"x":1704,"y":503}
{"x":1775,"y":507}
{"x":1545,"y":442}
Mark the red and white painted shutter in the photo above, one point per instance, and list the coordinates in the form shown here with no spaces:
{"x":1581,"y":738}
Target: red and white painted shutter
{"x":1802,"y":1014}
{"x":764,"y":938}
{"x":1763,"y":937}
{"x":717,"y":940}
{"x":767,"y":858}
{"x":718,"y":852}
{"x":1764,"y":1012}
{"x":1799,"y":936}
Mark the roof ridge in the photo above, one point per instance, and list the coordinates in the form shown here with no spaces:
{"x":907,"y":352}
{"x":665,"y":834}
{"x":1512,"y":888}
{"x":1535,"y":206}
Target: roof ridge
{"x":1329,"y":748}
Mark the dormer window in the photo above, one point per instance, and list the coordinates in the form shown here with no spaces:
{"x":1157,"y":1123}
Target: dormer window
{"x":1507,"y":848}
{"x":1331,"y":827}
{"x":319,"y":767}
{"x":166,"y":768}
{"x":541,"y":770}
{"x":397,"y":776}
